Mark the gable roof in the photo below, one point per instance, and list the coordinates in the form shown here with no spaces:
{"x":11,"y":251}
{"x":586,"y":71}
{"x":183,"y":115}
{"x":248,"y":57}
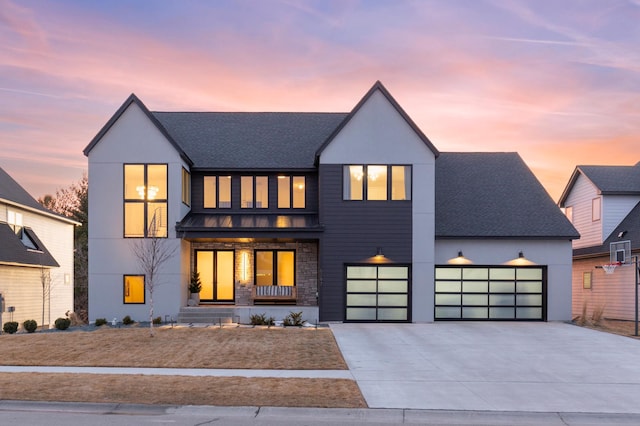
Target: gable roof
{"x":378,"y":86}
{"x":250,"y":140}
{"x":14,"y":252}
{"x":133,"y":99}
{"x":494,"y":195}
{"x":609,"y":180}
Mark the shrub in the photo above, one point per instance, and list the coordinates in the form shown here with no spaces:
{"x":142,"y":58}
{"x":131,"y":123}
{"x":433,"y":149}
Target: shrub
{"x":62,"y":323}
{"x":294,"y":319}
{"x":127,"y":320}
{"x":157,"y":320}
{"x":195,"y":286}
{"x":30,"y":325}
{"x":257,"y":319}
{"x":10,"y":327}
{"x":100,"y":321}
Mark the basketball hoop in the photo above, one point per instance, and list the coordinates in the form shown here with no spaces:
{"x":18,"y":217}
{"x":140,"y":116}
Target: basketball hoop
{"x":609,"y":268}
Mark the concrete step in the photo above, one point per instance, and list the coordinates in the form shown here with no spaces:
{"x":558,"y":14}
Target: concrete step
{"x":205,"y":315}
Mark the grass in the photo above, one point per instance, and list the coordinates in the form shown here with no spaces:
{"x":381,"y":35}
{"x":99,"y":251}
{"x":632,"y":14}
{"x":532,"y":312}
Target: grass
{"x":229,"y":348}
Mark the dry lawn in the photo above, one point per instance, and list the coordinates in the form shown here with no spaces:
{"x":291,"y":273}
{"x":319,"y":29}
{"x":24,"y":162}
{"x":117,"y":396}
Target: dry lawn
{"x":181,"y":347}
{"x":231,"y":348}
{"x":182,"y":390}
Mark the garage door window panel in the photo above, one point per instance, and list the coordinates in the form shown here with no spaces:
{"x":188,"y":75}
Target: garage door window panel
{"x":377,"y":293}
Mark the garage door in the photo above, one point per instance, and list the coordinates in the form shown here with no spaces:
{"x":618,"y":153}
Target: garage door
{"x":378,"y":293}
{"x":490,"y":293}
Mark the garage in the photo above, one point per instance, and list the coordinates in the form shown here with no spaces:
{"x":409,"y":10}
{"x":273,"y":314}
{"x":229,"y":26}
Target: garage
{"x":378,"y":293}
{"x":510,"y":293}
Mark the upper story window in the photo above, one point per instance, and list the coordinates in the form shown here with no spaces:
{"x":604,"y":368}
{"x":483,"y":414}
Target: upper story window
{"x":376,"y":182}
{"x":291,"y":192}
{"x":145,"y":200}
{"x":254,"y":191}
{"x":186,"y":187}
{"x":14,"y":220}
{"x":596,"y":206}
{"x":217,"y":192}
{"x":568,"y":212}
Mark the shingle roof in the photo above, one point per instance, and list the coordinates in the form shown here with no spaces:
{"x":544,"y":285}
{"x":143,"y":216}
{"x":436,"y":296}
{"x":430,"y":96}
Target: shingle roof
{"x":13,"y":251}
{"x":12,"y":191}
{"x":494,"y":195}
{"x":250,"y":140}
{"x":609,"y":180}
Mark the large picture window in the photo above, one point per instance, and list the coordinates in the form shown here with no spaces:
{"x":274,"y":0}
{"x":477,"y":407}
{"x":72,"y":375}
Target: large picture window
{"x":145,"y":200}
{"x":275,"y":267}
{"x":376,"y":182}
{"x":291,"y":192}
{"x":133,"y":291}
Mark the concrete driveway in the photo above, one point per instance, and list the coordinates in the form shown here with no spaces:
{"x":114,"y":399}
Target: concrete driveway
{"x":541,"y":367}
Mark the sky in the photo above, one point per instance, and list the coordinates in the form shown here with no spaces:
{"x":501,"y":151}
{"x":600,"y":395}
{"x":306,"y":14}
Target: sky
{"x":556,"y":81}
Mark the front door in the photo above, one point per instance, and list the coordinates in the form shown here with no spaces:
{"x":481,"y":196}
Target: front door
{"x":216,"y":275}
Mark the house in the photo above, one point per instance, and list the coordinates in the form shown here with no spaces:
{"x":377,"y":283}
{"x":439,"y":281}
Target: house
{"x":36,"y":258}
{"x":344,"y":216}
{"x":603,"y":203}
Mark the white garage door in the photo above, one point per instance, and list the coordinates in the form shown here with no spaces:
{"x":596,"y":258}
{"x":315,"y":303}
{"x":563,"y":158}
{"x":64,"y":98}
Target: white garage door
{"x":377,"y":293}
{"x":490,"y":293}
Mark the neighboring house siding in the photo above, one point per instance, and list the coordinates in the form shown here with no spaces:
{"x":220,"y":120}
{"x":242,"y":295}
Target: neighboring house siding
{"x":353,"y":232}
{"x":21,"y":288}
{"x":613,"y":293}
{"x":581,"y":200}
{"x":132,"y":139}
{"x":614,"y":209}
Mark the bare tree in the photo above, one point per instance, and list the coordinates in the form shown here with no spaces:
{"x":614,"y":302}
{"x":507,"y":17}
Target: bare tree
{"x":151,"y":253}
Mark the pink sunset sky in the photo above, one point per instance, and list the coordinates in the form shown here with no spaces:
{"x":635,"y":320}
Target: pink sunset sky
{"x":556,"y":81}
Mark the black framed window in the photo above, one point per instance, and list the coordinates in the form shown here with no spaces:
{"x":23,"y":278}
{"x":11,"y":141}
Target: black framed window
{"x":217,"y":192}
{"x":133,"y":289}
{"x":376,"y":182}
{"x":145,"y":200}
{"x":291,"y":192}
{"x":275,"y":267}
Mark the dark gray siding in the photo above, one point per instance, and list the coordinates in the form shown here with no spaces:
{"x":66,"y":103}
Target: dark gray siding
{"x":197,"y":193}
{"x":353,"y":231}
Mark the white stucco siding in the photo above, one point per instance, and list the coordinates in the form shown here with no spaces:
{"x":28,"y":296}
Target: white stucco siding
{"x":133,"y":138}
{"x":555,"y":254}
{"x":580,"y":199}
{"x":378,"y":134}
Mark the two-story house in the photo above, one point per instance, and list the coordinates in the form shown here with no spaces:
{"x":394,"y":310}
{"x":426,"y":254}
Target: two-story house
{"x":603,"y":203}
{"x":345,"y":216}
{"x":36,"y":258}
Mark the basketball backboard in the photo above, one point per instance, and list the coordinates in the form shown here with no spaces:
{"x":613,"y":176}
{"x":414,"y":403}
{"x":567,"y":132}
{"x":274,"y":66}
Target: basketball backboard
{"x":620,"y":251}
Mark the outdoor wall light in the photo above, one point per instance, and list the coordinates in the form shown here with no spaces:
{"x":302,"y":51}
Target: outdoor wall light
{"x":459,"y":260}
{"x":244,"y":266}
{"x":520,"y":260}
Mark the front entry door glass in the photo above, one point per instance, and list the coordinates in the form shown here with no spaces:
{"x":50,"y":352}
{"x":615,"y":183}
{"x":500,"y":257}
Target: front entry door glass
{"x":216,"y":275}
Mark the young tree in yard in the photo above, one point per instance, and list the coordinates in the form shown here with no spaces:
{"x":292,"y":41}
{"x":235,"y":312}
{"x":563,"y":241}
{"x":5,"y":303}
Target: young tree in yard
{"x":73,"y":202}
{"x":151,"y":253}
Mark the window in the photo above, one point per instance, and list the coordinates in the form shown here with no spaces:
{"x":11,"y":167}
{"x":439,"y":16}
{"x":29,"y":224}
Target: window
{"x":595,"y":209}
{"x":376,"y":182}
{"x":145,"y":200}
{"x":291,"y":192}
{"x":568,"y":212}
{"x":14,"y":220}
{"x":186,"y":187}
{"x":217,"y":192}
{"x":586,"y":280}
{"x":133,"y":289}
{"x":254,"y":191}
{"x":275,"y":267}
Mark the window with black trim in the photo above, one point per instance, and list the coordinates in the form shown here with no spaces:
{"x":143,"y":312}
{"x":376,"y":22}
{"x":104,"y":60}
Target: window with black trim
{"x":291,"y":192}
{"x":374,"y":182}
{"x":275,"y":267}
{"x":145,"y":200}
{"x":133,"y":289}
{"x":254,"y":192}
{"x":217,"y":192}
{"x":186,"y":187}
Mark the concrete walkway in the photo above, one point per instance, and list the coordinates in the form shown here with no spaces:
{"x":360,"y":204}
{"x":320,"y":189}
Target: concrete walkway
{"x":525,"y":367}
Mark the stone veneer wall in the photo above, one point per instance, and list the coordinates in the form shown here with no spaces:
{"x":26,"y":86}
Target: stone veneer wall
{"x":306,"y":268}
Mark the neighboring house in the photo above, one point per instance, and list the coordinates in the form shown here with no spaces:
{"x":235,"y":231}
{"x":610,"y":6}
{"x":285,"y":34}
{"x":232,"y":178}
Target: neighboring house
{"x":603,"y":202}
{"x":36,"y":258}
{"x":344,"y":216}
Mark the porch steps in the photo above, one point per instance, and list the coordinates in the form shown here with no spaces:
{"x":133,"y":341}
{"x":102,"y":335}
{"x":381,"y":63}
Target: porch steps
{"x":205,"y":315}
